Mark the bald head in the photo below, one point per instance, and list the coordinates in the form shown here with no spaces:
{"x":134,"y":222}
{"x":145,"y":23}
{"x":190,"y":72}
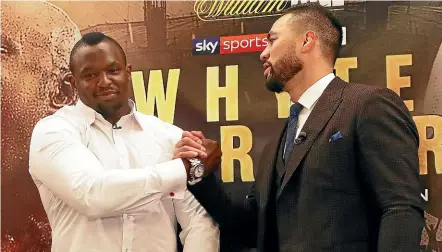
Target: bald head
{"x":92,"y":39}
{"x":318,"y":19}
{"x":36,"y":40}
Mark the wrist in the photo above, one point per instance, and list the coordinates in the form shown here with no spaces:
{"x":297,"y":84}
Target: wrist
{"x":187,"y":166}
{"x":196,"y":172}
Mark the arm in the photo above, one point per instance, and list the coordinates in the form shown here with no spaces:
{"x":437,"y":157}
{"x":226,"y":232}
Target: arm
{"x":62,"y":163}
{"x":237,"y":220}
{"x":199,"y":231}
{"x":388,"y":144}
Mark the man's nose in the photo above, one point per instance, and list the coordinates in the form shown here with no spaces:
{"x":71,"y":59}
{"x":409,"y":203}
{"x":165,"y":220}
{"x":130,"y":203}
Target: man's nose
{"x":265,"y":55}
{"x":104,"y":80}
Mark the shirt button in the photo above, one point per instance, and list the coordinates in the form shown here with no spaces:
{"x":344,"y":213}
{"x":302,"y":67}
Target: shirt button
{"x":172,"y":194}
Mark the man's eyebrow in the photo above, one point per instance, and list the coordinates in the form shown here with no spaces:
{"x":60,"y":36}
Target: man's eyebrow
{"x":85,"y":69}
{"x":270,"y":34}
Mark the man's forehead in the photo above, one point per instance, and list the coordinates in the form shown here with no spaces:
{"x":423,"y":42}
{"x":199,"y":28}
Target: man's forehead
{"x":280,"y":24}
{"x":103,"y":48}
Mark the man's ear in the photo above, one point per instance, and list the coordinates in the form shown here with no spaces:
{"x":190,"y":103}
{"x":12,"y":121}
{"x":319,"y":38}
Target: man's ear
{"x":64,"y":93}
{"x":309,"y":41}
{"x":68,"y":79}
{"x":68,"y":87}
{"x":129,"y":71}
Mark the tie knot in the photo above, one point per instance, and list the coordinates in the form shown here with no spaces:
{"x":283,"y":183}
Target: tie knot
{"x":295,"y":109}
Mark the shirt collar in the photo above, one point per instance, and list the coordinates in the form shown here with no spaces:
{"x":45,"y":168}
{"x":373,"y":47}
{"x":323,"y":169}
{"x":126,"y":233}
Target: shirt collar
{"x":91,"y":115}
{"x":312,"y":94}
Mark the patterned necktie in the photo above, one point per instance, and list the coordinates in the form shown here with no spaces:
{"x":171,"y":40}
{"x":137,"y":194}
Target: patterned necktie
{"x":291,"y":130}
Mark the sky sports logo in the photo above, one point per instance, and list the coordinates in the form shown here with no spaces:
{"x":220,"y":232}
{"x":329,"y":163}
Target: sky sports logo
{"x":230,"y":44}
{"x":237,"y":44}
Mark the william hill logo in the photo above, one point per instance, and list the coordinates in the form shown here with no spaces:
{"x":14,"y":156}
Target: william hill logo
{"x":212,"y":10}
{"x":209,"y":10}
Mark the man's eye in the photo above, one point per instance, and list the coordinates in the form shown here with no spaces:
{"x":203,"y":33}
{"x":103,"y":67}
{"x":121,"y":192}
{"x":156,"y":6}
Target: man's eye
{"x":89,"y":75}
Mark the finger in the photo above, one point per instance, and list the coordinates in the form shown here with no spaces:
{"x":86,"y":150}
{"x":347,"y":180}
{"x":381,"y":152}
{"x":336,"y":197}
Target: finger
{"x":186,"y":141}
{"x":186,"y":148}
{"x":187,"y":154}
{"x":199,"y":134}
{"x":187,"y":134}
{"x":192,"y":136}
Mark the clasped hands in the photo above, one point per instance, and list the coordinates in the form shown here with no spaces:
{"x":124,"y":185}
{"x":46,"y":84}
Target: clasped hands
{"x":194,"y":144}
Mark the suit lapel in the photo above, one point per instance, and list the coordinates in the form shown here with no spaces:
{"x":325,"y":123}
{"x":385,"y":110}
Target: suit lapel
{"x":318,"y":118}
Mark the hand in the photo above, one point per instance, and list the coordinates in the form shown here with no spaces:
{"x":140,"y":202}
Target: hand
{"x":213,"y":159}
{"x":198,"y":134}
{"x":190,"y":146}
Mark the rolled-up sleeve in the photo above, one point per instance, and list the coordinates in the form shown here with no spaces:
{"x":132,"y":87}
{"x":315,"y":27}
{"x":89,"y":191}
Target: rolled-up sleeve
{"x":61,"y":162}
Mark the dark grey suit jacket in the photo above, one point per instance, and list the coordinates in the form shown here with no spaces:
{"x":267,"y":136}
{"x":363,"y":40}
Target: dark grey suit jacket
{"x":358,"y":192}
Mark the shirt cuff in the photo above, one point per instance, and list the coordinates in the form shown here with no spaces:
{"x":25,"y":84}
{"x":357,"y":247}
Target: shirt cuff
{"x":173,"y":178}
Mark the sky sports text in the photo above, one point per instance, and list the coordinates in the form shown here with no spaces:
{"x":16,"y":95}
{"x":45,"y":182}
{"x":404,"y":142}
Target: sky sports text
{"x":230,"y":44}
{"x":237,"y":44}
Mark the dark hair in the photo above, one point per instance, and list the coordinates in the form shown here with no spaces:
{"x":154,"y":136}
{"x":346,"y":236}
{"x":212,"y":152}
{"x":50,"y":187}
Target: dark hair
{"x":93,"y":38}
{"x":317,"y":18}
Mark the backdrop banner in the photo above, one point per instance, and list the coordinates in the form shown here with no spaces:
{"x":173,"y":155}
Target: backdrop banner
{"x":196,"y":65}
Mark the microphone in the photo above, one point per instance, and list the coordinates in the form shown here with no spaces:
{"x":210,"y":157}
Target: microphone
{"x":301,"y":137}
{"x":114,"y":126}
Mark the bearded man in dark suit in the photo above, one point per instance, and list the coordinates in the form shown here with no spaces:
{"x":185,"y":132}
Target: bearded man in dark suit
{"x":341,"y":175}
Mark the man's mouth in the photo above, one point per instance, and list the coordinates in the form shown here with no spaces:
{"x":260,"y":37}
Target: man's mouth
{"x":108,"y":94}
{"x":267,"y":69}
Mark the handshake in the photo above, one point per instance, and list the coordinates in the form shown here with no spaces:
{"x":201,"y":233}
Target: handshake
{"x":194,"y":144}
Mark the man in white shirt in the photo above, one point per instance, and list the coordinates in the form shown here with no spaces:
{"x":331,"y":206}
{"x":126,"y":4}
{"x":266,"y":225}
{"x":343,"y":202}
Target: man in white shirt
{"x":109,"y":177}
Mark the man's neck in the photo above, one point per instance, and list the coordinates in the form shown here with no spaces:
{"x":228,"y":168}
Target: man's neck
{"x":305,"y":79}
{"x":115,"y":117}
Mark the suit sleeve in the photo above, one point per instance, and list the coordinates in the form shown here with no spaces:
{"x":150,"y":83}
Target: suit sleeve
{"x":235,"y":220}
{"x":388,"y":144}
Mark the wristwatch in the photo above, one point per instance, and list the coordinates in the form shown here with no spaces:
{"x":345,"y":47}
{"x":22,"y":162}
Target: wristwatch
{"x":196,"y":171}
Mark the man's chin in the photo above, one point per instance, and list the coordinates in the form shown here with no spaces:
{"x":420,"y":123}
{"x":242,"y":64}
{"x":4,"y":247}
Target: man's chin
{"x":275,"y":86}
{"x":109,"y":107}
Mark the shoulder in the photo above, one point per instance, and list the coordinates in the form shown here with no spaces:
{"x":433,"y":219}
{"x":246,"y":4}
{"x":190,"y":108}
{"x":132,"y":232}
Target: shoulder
{"x":363,"y":94}
{"x":377,"y":105}
{"x":67,"y":120}
{"x":64,"y":125}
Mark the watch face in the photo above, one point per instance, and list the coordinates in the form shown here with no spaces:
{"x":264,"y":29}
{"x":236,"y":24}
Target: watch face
{"x":199,"y":171}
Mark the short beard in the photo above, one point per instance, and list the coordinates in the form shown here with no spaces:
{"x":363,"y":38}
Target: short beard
{"x":274,"y":85}
{"x":107,"y":111}
{"x":283,"y":71}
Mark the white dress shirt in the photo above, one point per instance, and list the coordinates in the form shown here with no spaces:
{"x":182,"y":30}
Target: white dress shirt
{"x":115,"y":189}
{"x":310,"y":97}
